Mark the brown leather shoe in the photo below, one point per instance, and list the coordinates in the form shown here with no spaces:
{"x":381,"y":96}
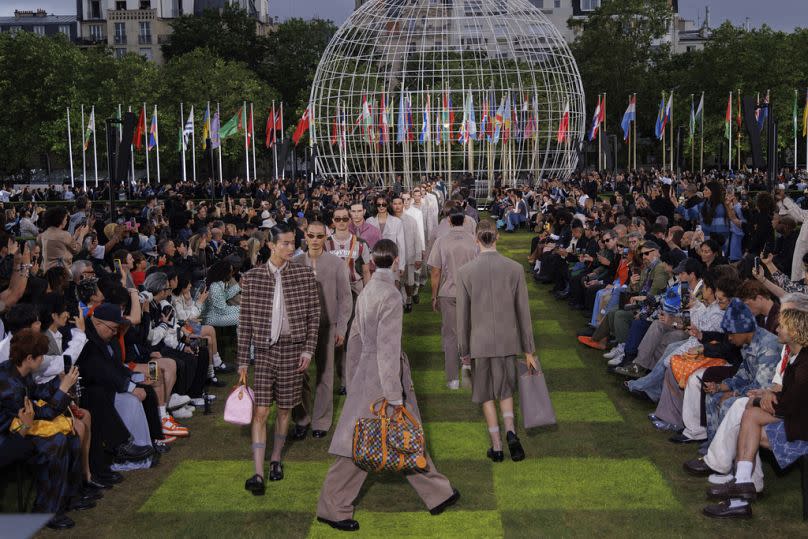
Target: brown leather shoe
{"x":732,"y":489}
{"x":723,"y":510}
{"x":698,"y":467}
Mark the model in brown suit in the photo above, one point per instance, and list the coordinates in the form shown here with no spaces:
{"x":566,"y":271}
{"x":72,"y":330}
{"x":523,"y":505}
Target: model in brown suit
{"x":382,"y":371}
{"x":493,"y":327}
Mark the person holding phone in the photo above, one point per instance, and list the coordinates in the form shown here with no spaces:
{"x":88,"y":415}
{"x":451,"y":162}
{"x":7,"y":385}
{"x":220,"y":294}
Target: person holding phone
{"x":58,"y":245}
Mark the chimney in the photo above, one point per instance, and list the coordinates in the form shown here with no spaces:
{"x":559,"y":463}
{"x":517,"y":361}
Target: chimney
{"x":707,"y":17}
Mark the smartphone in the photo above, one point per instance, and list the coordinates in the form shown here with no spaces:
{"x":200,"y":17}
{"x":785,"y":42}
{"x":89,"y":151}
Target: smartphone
{"x":118,"y":266}
{"x":625,"y":251}
{"x":757,"y":264}
{"x":154,"y":372}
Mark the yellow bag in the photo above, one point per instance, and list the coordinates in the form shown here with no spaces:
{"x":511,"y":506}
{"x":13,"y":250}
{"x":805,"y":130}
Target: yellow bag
{"x":45,"y":428}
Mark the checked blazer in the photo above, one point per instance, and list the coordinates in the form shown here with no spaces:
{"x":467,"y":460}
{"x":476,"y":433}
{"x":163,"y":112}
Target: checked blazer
{"x":302,"y":302}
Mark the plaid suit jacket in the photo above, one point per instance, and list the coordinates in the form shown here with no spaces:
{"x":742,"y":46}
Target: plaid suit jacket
{"x":301,"y":299}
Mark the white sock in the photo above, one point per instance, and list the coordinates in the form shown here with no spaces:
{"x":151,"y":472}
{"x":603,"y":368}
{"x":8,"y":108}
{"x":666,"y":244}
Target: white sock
{"x":737,"y":502}
{"x":163,"y":412}
{"x":217,"y":359}
{"x":743,"y":471}
{"x":211,"y":374}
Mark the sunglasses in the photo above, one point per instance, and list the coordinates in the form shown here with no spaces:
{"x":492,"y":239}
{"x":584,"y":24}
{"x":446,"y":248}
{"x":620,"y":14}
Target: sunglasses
{"x":341,"y":219}
{"x":318,"y":236}
{"x":381,"y":205}
{"x":646,"y":253}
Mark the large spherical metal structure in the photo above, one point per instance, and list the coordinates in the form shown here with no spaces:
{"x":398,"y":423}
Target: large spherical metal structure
{"x":447,"y":87}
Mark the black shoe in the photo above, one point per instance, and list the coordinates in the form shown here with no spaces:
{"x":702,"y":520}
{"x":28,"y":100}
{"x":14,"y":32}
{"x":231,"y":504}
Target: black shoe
{"x":81,"y":504}
{"x":130,"y":451}
{"x":61,"y":522}
{"x":215,"y":382}
{"x":347,"y":525}
{"x":224,"y":368}
{"x":515,"y":447}
{"x":415,"y":299}
{"x":682,"y":439}
{"x":275,"y":471}
{"x":319,"y":433}
{"x":698,"y":467}
{"x":342,"y":391}
{"x":255,"y":484}
{"x":161,"y":447}
{"x":88,"y":493}
{"x":408,"y":307}
{"x":96,"y":485}
{"x":108,"y":478}
{"x":299,"y":432}
{"x":496,"y":456}
{"x":723,"y":510}
{"x":450,"y":501}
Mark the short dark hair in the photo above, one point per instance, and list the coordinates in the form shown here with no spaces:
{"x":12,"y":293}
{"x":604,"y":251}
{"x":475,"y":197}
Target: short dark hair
{"x":277,"y":231}
{"x":457,"y":216}
{"x":751,"y":289}
{"x":27,"y":342}
{"x":20,"y":316}
{"x":486,"y":232}
{"x":384,"y":253}
{"x":54,"y":216}
{"x":728,"y":285}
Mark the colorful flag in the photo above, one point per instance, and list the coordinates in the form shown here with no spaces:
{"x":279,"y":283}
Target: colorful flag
{"x":270,"y":128}
{"x":88,"y":133}
{"x":383,"y":121}
{"x":137,"y":138}
{"x":593,"y":132}
{"x":154,"y":139}
{"x":506,"y":119}
{"x":805,"y":117}
{"x":410,"y":124}
{"x":738,"y":116}
{"x":188,"y":132}
{"x":763,"y":112}
{"x":302,"y":126}
{"x":484,"y":120}
{"x":231,"y":127}
{"x":401,"y":133}
{"x":335,"y":127}
{"x":564,"y":125}
{"x":448,"y":117}
{"x":206,"y":127}
{"x":659,"y":128}
{"x":629,"y":116}
{"x":692,"y":125}
{"x":700,"y":108}
{"x":471,"y":130}
{"x":215,"y":137}
{"x":728,"y":118}
{"x":426,"y":128}
{"x":499,"y":119}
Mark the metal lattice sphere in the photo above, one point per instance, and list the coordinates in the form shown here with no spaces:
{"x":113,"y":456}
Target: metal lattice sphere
{"x":447,"y":87}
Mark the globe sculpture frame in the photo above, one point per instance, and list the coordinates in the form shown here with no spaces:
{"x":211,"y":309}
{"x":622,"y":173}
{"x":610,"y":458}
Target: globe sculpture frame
{"x":487,"y":88}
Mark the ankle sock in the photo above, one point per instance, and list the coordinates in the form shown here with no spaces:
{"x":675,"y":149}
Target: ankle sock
{"x":211,"y":373}
{"x":217,"y":360}
{"x":743,"y":471}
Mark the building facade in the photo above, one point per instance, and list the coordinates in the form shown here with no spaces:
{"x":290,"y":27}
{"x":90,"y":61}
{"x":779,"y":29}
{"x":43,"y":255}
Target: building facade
{"x":142,"y":26}
{"x":40,"y":23}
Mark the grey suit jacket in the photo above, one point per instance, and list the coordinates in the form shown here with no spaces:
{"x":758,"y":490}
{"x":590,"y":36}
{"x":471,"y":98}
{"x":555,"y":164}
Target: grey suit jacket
{"x":336,"y":301}
{"x":493,"y":313}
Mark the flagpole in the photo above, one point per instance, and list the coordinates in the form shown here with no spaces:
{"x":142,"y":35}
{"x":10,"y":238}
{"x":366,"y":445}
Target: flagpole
{"x":283,"y":168}
{"x":132,"y":154}
{"x":182,"y":142}
{"x":157,"y":142}
{"x":794,"y":118}
{"x":274,"y":141}
{"x":729,"y":137}
{"x":218,"y":113}
{"x":701,"y":149}
{"x":70,"y":149}
{"x":739,"y":131}
{"x":692,"y":139}
{"x":95,"y":152}
{"x":193,"y":145}
{"x":670,"y":121}
{"x":146,"y":142}
{"x":252,"y":135}
{"x":243,"y":118}
{"x":664,"y":147}
{"x":635,"y":132}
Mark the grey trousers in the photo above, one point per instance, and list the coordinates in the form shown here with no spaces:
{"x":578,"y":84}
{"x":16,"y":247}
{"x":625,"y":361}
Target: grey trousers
{"x":670,"y":404}
{"x":344,"y":481}
{"x":448,"y":336}
{"x":131,"y":412}
{"x":321,"y":414}
{"x":653,"y":345}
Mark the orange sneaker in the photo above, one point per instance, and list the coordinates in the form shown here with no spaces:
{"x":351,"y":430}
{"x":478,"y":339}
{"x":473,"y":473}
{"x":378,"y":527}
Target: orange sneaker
{"x":172,"y":428}
{"x":591,"y":343}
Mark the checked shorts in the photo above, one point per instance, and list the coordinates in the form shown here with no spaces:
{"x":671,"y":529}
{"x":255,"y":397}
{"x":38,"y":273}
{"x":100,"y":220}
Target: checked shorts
{"x":276,"y":376}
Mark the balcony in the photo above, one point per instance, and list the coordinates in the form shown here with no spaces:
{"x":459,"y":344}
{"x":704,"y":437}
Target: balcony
{"x":144,"y":39}
{"x":120,"y":39}
{"x":131,"y":14}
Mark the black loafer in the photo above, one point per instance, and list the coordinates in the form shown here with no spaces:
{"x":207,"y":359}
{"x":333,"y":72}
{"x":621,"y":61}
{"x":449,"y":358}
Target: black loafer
{"x":275,"y":471}
{"x":733,"y":489}
{"x":496,"y":456}
{"x":255,"y":484}
{"x":416,"y":299}
{"x":61,"y":522}
{"x":97,"y":485}
{"x":224,"y":368}
{"x":299,"y":433}
{"x":109,"y":478}
{"x":682,"y":439}
{"x":90,"y":494}
{"x":723,"y":510}
{"x":515,"y":447}
{"x":408,"y":307}
{"x":81,"y":504}
{"x":698,"y":467}
{"x":347,"y":525}
{"x":215,"y":382}
{"x":319,"y":433}
{"x":342,"y":391}
{"x":450,"y":501}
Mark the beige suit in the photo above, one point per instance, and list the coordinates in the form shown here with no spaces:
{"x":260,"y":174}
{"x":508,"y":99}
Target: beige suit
{"x":393,"y":230}
{"x":380,"y":370}
{"x":336,"y":303}
{"x":414,"y":246}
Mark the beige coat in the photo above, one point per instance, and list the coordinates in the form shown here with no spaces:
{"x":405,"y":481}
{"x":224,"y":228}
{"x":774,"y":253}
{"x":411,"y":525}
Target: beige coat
{"x":58,"y":247}
{"x":413,"y":239}
{"x":378,"y":368}
{"x":393,"y":230}
{"x":336,"y":301}
{"x":493,"y":313}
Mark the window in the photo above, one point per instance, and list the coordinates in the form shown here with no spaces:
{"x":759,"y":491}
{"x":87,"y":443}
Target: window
{"x":144,"y":37}
{"x":64,"y":29}
{"x":557,"y":3}
{"x":120,"y":52}
{"x":120,"y":33}
{"x":120,"y":5}
{"x":589,"y":5}
{"x":146,"y":52}
{"x":145,"y":4}
{"x":39,"y":30}
{"x":96,"y":33}
{"x":95,"y":9}
{"x":538,"y":3}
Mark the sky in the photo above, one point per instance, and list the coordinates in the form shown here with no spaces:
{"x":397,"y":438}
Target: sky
{"x":779,"y":14}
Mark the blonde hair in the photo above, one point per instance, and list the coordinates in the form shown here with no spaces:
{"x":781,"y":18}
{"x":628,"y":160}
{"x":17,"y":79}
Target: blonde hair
{"x":796,"y":323}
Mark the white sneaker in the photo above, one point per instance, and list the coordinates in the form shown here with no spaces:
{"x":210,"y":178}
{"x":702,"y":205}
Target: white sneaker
{"x":453,"y":385}
{"x":183,"y":412}
{"x":720,"y":479}
{"x":616,"y":360}
{"x":177,"y":401}
{"x":614,"y":352}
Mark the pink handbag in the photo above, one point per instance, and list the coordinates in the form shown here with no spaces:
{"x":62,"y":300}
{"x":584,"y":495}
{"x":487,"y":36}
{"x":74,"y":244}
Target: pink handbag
{"x":238,"y":408}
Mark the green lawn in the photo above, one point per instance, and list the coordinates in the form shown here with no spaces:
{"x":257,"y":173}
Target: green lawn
{"x":603,"y":471}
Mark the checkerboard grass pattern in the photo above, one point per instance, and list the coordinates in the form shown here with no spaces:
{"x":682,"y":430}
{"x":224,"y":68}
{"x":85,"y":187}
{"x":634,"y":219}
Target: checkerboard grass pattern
{"x":601,"y":472}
